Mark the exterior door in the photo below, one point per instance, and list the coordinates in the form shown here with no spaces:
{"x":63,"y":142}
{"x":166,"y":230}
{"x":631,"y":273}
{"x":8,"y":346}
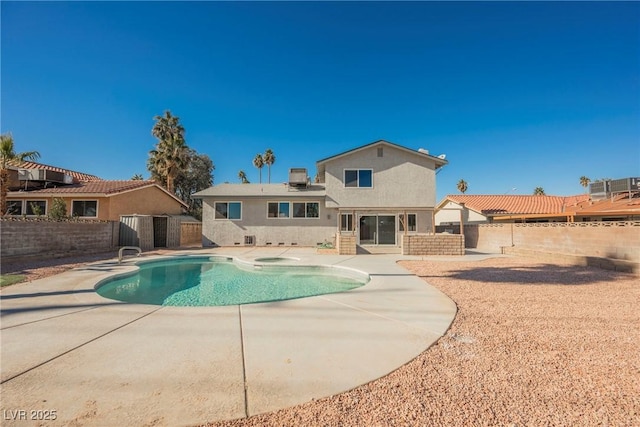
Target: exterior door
{"x":377,"y":230}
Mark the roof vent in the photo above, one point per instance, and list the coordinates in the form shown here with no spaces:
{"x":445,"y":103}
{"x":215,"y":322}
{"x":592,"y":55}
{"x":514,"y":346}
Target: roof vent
{"x":298,"y":178}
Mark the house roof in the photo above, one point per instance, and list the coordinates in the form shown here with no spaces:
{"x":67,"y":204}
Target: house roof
{"x":77,"y":176}
{"x":491,"y":205}
{"x":101,"y":188}
{"x":261,"y":190}
{"x":438,"y":160}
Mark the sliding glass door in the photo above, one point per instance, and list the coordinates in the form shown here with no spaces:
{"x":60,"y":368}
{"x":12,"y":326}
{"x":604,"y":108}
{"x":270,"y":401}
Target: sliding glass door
{"x":377,"y":230}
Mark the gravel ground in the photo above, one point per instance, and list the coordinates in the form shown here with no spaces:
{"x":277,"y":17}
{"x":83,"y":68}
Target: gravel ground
{"x":532,"y":344}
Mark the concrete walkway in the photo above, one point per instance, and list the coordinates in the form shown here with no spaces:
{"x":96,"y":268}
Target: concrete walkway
{"x":98,"y":362}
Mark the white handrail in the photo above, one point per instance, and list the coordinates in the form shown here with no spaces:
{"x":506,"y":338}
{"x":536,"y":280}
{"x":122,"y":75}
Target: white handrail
{"x":131,"y":248}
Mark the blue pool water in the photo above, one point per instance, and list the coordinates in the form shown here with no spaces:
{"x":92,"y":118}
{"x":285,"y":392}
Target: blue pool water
{"x":214,"y":281}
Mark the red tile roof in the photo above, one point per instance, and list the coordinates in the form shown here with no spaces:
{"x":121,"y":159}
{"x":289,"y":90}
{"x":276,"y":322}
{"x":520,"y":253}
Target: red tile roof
{"x":96,"y":187}
{"x":77,"y":176}
{"x":517,"y":204}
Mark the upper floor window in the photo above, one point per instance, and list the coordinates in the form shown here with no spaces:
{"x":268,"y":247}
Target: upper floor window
{"x":87,"y":208}
{"x":36,"y":207}
{"x":278,"y":210}
{"x":228,"y":210}
{"x":362,"y":178}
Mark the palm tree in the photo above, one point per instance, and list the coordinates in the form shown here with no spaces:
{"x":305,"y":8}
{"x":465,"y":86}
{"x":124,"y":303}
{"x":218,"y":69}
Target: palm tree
{"x":137,"y":177}
{"x":538,"y":191}
{"x":584,"y":181}
{"x":243,"y":177}
{"x":269,"y":159}
{"x":462,"y":186}
{"x":171,"y":154}
{"x":258,"y":162}
{"x":7,"y":153}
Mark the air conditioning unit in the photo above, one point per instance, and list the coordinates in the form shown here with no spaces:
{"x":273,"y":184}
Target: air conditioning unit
{"x":298,"y":177}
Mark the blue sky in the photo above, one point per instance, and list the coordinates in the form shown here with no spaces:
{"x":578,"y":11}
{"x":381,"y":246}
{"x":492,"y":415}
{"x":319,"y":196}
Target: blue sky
{"x":517,"y":95}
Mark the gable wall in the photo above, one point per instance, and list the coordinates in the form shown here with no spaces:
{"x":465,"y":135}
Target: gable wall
{"x":400,"y":179}
{"x":145,"y":201}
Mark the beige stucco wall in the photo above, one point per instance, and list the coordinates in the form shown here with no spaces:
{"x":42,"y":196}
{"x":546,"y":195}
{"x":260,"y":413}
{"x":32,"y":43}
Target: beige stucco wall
{"x":267,"y":231}
{"x":400,"y":179}
{"x":144,"y":201}
{"x":453,"y":216}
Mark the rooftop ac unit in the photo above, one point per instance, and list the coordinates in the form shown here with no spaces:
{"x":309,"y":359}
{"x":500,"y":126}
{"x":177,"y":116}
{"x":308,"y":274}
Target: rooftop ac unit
{"x":298,"y":177}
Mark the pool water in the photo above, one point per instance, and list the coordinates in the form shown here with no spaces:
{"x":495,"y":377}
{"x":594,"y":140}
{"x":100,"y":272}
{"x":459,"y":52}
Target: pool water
{"x":211,"y":281}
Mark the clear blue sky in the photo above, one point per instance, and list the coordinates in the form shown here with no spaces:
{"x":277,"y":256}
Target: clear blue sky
{"x":517,"y":95}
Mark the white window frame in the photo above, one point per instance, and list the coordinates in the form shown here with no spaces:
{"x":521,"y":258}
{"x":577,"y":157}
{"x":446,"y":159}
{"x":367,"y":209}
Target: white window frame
{"x":305,"y":203}
{"x":344,"y":177}
{"x":279,"y":203}
{"x":26,"y":206}
{"x":73,"y":213}
{"x":352,"y":228}
{"x":227,"y":202}
{"x":21,"y":203}
{"x":400,"y":224}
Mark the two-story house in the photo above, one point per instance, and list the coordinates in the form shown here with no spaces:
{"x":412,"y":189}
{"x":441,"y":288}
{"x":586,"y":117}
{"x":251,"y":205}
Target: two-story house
{"x":375,"y":193}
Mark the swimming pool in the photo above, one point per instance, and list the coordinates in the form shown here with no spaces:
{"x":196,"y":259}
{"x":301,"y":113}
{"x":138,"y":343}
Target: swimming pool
{"x":217,"y":281}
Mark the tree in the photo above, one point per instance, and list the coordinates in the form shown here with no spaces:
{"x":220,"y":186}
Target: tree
{"x":243,"y":177}
{"x":584,"y":181}
{"x":258,"y":162}
{"x":196,"y":176}
{"x":171,"y":153}
{"x":462,"y":186}
{"x":269,"y":159}
{"x":7,"y":153}
{"x":137,"y":177}
{"x":538,"y":191}
{"x":58,"y":209}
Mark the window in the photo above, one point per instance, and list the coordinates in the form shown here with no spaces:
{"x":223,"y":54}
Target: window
{"x":14,"y":207}
{"x":278,"y":210}
{"x":85,"y":208}
{"x":306,"y":210}
{"x":411,"y":219}
{"x":346,"y":222}
{"x":228,"y":210}
{"x":36,"y":207}
{"x":362,"y":178}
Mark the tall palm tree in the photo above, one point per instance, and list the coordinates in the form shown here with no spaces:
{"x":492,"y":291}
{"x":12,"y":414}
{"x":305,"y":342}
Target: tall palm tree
{"x":243,"y":177}
{"x":137,"y":177}
{"x":258,"y":162}
{"x":462,"y":186}
{"x":584,"y":181}
{"x":7,"y":152}
{"x":269,"y":159}
{"x":171,"y":154}
{"x":538,"y":191}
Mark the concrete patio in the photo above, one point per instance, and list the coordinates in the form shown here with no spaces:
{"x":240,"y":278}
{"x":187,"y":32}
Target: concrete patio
{"x":100,"y":362}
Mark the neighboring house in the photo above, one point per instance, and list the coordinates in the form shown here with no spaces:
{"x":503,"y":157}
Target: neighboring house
{"x":480,"y":209}
{"x":374,"y":192}
{"x":34,"y":186}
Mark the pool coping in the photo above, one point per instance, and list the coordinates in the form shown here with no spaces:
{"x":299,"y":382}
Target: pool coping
{"x":189,"y":365}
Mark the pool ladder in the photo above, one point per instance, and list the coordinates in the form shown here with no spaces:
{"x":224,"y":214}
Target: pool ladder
{"x":127,"y":248}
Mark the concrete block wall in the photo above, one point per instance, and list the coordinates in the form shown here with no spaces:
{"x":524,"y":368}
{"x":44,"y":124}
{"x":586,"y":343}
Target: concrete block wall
{"x":613,"y":240}
{"x":346,"y":244}
{"x":190,"y":233}
{"x":429,"y":244}
{"x":50,"y":238}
